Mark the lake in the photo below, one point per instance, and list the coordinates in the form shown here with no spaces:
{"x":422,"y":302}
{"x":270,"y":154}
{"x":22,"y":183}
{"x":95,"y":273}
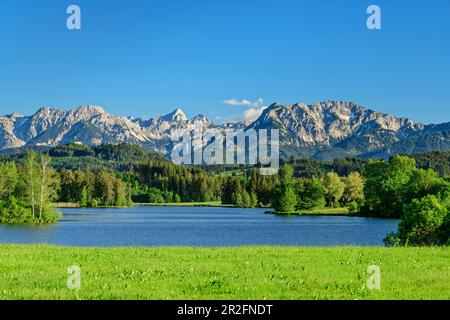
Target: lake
{"x":198,"y":226}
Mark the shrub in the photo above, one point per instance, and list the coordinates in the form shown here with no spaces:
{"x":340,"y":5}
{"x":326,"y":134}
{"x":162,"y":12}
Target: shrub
{"x":238,"y":200}
{"x":13,"y":212}
{"x":284,"y":199}
{"x":353,"y":208}
{"x":423,"y":223}
{"x":311,"y":195}
{"x":155,"y":196}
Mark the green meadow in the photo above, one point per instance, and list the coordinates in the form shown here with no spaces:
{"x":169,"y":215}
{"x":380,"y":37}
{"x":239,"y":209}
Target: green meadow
{"x":40,"y":272}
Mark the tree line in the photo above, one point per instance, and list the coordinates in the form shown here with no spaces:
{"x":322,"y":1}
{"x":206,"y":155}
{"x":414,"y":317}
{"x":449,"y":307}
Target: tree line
{"x":90,"y":189}
{"x":386,"y":189}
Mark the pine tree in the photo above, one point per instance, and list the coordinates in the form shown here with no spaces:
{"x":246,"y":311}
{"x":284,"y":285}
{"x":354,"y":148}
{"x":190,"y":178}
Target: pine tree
{"x":84,"y":198}
{"x":253,"y":200}
{"x":246,"y":201}
{"x":238,"y":200}
{"x":31,"y":178}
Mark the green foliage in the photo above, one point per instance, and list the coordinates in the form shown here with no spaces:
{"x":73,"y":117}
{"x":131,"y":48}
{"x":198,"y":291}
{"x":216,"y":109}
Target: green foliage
{"x":353,"y":208}
{"x":354,"y":189}
{"x":155,"y":196}
{"x":438,"y":161}
{"x":246,"y":201}
{"x":389,"y":186}
{"x":27,"y":191}
{"x":12,"y":212}
{"x":82,"y":187}
{"x":238,"y":200}
{"x":334,"y":189}
{"x":94,"y":203}
{"x":311,"y":194}
{"x":386,"y":184}
{"x":112,"y":157}
{"x":9,"y":179}
{"x":206,"y":197}
{"x":306,"y":168}
{"x":230,"y":187}
{"x":253,"y":200}
{"x":84,"y":198}
{"x":285,"y":199}
{"x":421,"y":224}
{"x":286,"y":174}
{"x":190,"y":183}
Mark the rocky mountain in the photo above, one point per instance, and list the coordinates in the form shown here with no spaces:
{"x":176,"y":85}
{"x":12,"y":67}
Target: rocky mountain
{"x":334,"y":129}
{"x":324,"y":130}
{"x":91,"y":125}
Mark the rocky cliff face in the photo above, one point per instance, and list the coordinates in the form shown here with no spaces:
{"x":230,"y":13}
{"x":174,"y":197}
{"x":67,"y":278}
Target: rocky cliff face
{"x":336,"y":129}
{"x":91,"y":125}
{"x":324,"y":130}
{"x":50,"y":127}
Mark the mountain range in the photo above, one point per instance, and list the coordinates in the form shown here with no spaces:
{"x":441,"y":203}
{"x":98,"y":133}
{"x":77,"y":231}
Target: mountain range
{"x":324,"y":130}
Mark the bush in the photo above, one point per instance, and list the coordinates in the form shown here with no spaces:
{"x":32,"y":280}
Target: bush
{"x":206,"y":197}
{"x":353,"y":208}
{"x":94,"y":203}
{"x":284,"y":199}
{"x":392,"y":240}
{"x":13,"y":212}
{"x":246,"y":200}
{"x":155,"y":196}
{"x":238,"y":200}
{"x":423,"y":223}
{"x":311,"y":195}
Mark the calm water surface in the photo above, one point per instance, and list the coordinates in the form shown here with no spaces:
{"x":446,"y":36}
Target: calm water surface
{"x":194,"y":226}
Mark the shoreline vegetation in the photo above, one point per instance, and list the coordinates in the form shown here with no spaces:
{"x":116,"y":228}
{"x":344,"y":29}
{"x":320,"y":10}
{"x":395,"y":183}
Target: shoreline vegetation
{"x":311,"y":212}
{"x":317,"y":212}
{"x":26,"y":191}
{"x":394,"y":189}
{"x":241,"y":273}
{"x":170,"y":204}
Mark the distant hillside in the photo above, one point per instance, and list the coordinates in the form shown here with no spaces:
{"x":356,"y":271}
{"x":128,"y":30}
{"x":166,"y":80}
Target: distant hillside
{"x":124,"y":157}
{"x":119,"y":157}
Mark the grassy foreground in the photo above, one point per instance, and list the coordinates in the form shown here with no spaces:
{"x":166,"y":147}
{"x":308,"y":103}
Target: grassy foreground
{"x":40,"y":272}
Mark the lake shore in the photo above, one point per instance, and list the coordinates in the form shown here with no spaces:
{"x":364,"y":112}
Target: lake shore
{"x":152,"y":226}
{"x":315,"y":212}
{"x":312,"y":212}
{"x":223,"y":273}
{"x":172,"y":204}
{"x":187,"y":204}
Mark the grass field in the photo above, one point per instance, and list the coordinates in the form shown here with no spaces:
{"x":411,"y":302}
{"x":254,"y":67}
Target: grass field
{"x":40,"y":272}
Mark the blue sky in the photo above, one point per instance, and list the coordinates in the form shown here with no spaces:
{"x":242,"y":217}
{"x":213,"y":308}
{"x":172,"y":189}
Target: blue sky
{"x":145,"y":58}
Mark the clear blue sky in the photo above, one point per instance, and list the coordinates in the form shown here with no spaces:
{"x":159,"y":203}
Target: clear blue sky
{"x":148,"y":57}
